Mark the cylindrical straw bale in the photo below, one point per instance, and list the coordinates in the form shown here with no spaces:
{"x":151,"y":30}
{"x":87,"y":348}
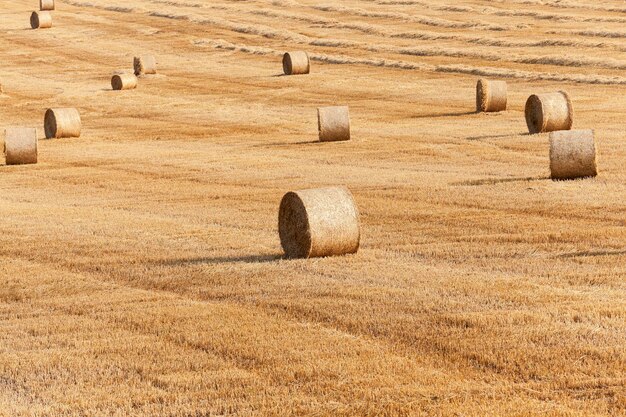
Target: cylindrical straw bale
{"x":491,"y":96}
{"x":549,"y":112}
{"x":20,"y":145}
{"x":295,"y":63}
{"x":124,"y":81}
{"x":40,"y":20}
{"x":572,"y":154}
{"x":145,"y":64}
{"x":319,"y":222}
{"x":46,"y":4}
{"x":333,"y":123}
{"x":62,"y":123}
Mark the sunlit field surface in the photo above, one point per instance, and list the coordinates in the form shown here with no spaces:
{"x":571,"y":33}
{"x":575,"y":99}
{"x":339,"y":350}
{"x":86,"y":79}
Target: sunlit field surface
{"x":141,"y":272}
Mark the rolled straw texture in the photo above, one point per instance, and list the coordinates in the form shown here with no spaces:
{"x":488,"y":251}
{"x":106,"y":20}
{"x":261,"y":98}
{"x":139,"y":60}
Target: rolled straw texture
{"x":295,"y":63}
{"x":40,"y":20}
{"x":46,"y":4}
{"x":491,"y":96}
{"x":124,"y":81}
{"x":549,"y":112}
{"x":20,"y":145}
{"x":318,"y":222}
{"x":572,"y":154}
{"x":333,"y":123}
{"x":145,"y":64}
{"x":62,"y":123}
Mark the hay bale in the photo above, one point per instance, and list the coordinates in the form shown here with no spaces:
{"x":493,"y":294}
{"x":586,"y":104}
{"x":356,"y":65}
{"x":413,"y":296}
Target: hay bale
{"x":572,"y":154}
{"x":549,"y":112}
{"x":145,"y":64}
{"x":491,"y":96}
{"x":333,"y":123}
{"x":46,"y":4}
{"x":295,"y":63}
{"x":20,"y":145}
{"x":318,"y":222}
{"x":62,"y":123}
{"x":124,"y":82}
{"x":40,"y":20}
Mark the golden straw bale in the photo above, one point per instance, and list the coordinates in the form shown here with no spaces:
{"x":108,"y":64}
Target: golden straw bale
{"x":333,"y":123}
{"x":145,"y":64}
{"x":318,"y":222}
{"x":62,"y":123}
{"x":46,"y":4}
{"x":20,"y":145}
{"x":124,"y":81}
{"x":295,"y":63}
{"x":40,"y":20}
{"x":572,"y":154}
{"x":549,"y":112}
{"x":491,"y":96}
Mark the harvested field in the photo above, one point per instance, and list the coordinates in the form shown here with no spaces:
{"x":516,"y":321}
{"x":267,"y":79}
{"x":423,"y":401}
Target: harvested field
{"x":141,"y":271}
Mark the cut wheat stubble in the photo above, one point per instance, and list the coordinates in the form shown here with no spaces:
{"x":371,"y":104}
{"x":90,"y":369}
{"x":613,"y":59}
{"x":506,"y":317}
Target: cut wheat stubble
{"x":549,"y":112}
{"x":572,"y":154}
{"x":46,"y":5}
{"x":491,"y":96}
{"x":20,"y":145}
{"x":40,"y":20}
{"x":333,"y":123}
{"x":296,"y":63}
{"x":123,"y":82}
{"x":145,"y":64}
{"x":318,"y":222}
{"x":62,"y":123}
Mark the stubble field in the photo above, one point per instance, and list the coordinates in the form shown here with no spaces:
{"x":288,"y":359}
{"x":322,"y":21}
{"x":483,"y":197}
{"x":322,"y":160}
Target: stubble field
{"x":140,"y":265}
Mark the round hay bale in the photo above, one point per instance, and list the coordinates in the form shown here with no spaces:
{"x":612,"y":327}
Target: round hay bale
{"x":124,"y":82}
{"x":572,"y":154}
{"x":318,"y":222}
{"x":40,"y":20}
{"x":145,"y":64}
{"x":295,"y":63}
{"x":333,"y":123}
{"x":549,"y":112}
{"x":46,"y":4}
{"x":491,"y":96}
{"x":62,"y":123}
{"x":20,"y":145}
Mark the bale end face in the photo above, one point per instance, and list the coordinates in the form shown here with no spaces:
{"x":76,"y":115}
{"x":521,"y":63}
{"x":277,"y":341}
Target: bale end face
{"x":295,"y":63}
{"x":333,"y":123}
{"x":318,"y":222}
{"x":549,"y":112}
{"x":20,"y":146}
{"x":572,"y":154}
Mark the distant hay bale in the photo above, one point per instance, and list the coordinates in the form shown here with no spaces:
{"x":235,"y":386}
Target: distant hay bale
{"x":40,"y":20}
{"x":333,"y":123}
{"x":46,"y":4}
{"x":145,"y":64}
{"x":549,"y":112}
{"x":572,"y":154}
{"x":20,"y":145}
{"x":295,"y":63}
{"x":124,"y":81}
{"x":62,"y":123}
{"x":318,"y":222}
{"x":491,"y":96}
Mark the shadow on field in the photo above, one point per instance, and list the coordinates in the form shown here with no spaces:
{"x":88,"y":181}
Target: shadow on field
{"x":592,"y":253}
{"x":427,"y":116}
{"x":220,"y":260}
{"x":288,"y":144}
{"x":508,"y":135}
{"x":491,"y":181}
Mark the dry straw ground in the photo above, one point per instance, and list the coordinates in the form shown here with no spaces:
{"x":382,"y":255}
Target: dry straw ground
{"x":140,"y":270}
